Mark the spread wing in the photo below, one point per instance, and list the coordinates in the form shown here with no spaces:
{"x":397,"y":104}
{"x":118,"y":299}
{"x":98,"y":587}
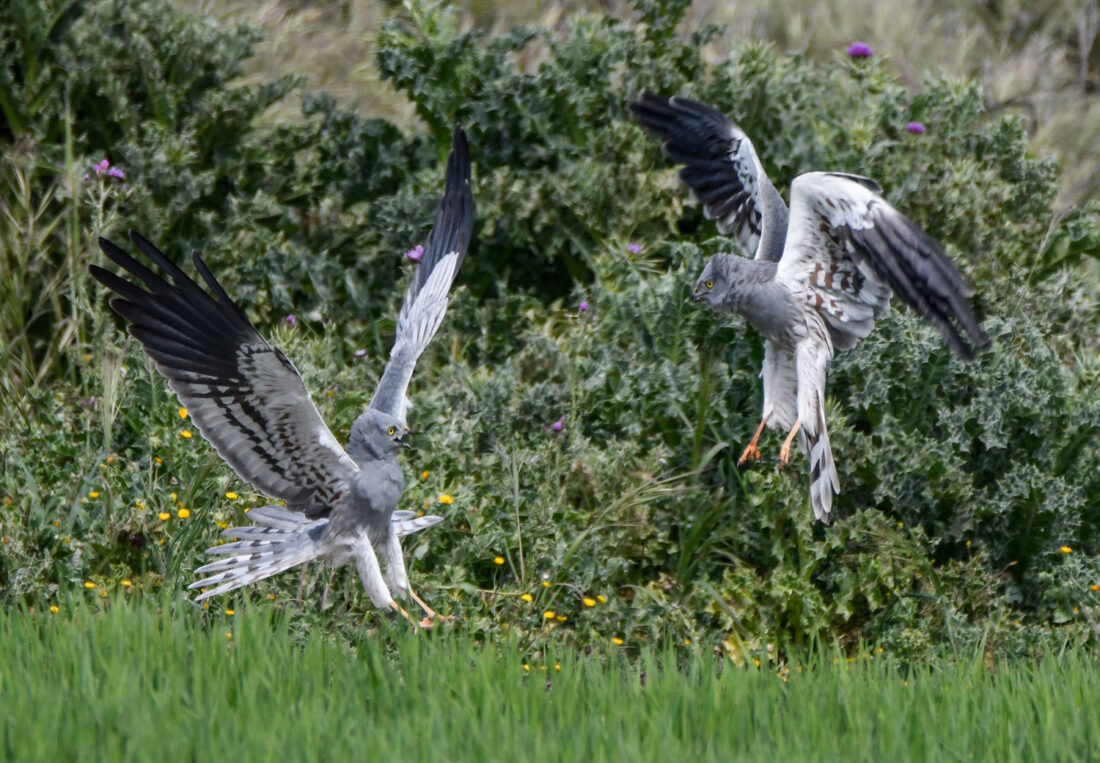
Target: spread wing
{"x":847,"y":250}
{"x":722,"y":170}
{"x":427,"y":297}
{"x":244,"y":396}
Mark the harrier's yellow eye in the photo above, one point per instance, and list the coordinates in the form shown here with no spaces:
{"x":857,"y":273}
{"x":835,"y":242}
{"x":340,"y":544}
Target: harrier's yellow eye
{"x":390,"y":431}
{"x":710,"y":284}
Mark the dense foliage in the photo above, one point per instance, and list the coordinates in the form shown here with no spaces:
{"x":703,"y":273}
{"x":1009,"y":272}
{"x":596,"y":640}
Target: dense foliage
{"x":971,"y":492}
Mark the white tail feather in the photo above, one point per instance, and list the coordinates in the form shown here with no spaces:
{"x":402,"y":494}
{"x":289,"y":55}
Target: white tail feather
{"x":824,"y":481}
{"x":279,"y":540}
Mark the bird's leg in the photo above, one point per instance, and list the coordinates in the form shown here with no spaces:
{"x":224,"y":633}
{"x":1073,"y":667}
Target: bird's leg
{"x":752,"y":453}
{"x":398,"y":608}
{"x":785,"y":451}
{"x":431,"y":613}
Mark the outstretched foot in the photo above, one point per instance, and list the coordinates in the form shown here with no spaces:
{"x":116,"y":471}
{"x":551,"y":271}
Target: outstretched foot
{"x":784,"y":455}
{"x":430,"y":614}
{"x":751,"y":453}
{"x":785,"y":451}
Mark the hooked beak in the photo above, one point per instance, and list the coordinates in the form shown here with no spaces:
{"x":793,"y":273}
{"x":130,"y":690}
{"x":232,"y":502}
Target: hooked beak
{"x":696,"y":295}
{"x":401,"y":442}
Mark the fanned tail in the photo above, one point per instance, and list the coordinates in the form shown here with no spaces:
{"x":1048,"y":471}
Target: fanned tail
{"x":824,"y":481}
{"x":279,"y":540}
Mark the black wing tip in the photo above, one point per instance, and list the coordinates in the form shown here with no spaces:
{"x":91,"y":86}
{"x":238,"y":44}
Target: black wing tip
{"x":656,"y":111}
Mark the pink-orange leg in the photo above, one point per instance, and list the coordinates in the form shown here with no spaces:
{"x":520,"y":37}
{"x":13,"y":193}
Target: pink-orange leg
{"x":398,"y":608}
{"x":752,"y":453}
{"x":428,"y":621}
{"x":785,"y":451}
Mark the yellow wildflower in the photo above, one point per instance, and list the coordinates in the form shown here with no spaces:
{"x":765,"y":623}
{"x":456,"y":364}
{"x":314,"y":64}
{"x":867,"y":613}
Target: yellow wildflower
{"x":164,"y":516}
{"x":183,"y":513}
{"x":545,"y":583}
{"x":94,"y":494}
{"x":589,"y":602}
{"x":557,"y":666}
{"x":54,"y":608}
{"x":229,"y":611}
{"x":447,"y":499}
{"x":526,"y":667}
{"x":158,"y":459}
{"x":498,"y":560}
{"x":1095,"y":587}
{"x":173,"y":496}
{"x":231,"y":495}
{"x":616,"y":641}
{"x":562,"y":618}
{"x":112,"y":458}
{"x":183,"y":413}
{"x":424,"y":474}
{"x":185,"y":434}
{"x":548,"y":614}
{"x":229,"y":634}
{"x":687,"y":642}
{"x":139,"y":503}
{"x":89,"y":584}
{"x":271,"y":596}
{"x":527,"y":598}
{"x":1067,"y":550}
{"x":601,"y":598}
{"x":126,"y":583}
{"x":205,"y":604}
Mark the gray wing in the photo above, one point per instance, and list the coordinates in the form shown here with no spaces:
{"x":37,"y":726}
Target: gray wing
{"x":426,"y":299}
{"x":244,"y":396}
{"x":722,"y":170}
{"x":407,"y":522}
{"x":847,"y":250}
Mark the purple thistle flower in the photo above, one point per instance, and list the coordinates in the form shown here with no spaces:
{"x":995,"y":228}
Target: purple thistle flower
{"x":860,"y":50}
{"x":87,"y":176}
{"x":92,"y":401}
{"x":360,"y":352}
{"x":558,"y":425}
{"x":101,"y":167}
{"x":915,"y":127}
{"x":115,"y":172}
{"x":291,"y":320}
{"x":633,"y":247}
{"x":582,"y":307}
{"x":415,"y":253}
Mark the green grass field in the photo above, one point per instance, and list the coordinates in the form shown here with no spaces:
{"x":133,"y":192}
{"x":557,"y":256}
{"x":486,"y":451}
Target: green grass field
{"x":138,"y":681}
